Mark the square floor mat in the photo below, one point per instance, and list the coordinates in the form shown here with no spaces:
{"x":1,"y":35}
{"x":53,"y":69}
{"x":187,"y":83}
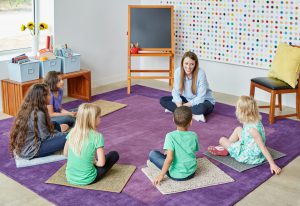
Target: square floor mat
{"x":108,"y":106}
{"x":206,"y":175}
{"x":20,"y":162}
{"x":238,"y":166}
{"x":113,"y":181}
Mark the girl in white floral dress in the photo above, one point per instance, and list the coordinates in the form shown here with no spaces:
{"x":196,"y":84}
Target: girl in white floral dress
{"x":247,"y":144}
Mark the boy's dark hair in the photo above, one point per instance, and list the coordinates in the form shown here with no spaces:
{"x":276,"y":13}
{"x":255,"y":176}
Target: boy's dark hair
{"x":51,"y":80}
{"x":182,"y":116}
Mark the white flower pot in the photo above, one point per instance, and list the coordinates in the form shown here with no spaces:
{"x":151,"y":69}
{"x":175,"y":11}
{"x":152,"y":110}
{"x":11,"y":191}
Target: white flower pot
{"x":35,"y":45}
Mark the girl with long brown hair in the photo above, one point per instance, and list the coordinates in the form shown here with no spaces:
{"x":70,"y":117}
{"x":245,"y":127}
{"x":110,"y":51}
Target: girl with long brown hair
{"x":58,"y":114}
{"x":190,"y":89}
{"x":33,"y":134}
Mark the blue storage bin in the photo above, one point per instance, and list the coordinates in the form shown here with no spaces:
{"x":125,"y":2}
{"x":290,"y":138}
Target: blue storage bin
{"x":50,"y":65}
{"x":24,"y":72}
{"x":70,"y":64}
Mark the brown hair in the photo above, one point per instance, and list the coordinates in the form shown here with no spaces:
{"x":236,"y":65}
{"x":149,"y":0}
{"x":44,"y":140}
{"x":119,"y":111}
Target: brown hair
{"x":182,"y":116}
{"x":35,"y":100}
{"x":194,"y":57}
{"x":51,"y":79}
{"x":247,"y":110}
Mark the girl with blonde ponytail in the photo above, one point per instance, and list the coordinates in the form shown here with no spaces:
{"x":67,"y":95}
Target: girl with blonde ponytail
{"x":84,"y":142}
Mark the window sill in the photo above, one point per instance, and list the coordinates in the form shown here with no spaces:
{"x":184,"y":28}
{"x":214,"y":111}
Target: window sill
{"x":7,"y":55}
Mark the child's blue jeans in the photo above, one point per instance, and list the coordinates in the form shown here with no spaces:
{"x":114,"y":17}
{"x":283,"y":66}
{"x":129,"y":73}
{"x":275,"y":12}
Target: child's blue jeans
{"x":157,"y":158}
{"x":66,"y":119}
{"x":54,"y":144}
{"x":110,"y":159}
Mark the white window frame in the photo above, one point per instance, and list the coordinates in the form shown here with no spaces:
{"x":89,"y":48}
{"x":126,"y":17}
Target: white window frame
{"x":7,"y":54}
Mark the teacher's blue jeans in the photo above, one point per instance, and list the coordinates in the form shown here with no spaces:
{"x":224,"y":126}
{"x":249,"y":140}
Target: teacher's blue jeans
{"x":204,"y":108}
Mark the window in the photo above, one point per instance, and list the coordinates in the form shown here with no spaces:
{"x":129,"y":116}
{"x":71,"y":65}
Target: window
{"x":14,"y":13}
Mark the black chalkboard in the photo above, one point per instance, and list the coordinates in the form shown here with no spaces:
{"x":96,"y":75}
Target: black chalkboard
{"x":151,"y":27}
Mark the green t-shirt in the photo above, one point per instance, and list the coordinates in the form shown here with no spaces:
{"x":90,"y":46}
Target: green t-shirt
{"x":184,"y":144}
{"x":80,"y":169}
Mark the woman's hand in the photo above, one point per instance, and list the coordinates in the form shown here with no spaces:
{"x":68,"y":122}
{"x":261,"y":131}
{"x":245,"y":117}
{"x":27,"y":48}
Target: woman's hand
{"x":178,"y":104}
{"x":188,"y":104}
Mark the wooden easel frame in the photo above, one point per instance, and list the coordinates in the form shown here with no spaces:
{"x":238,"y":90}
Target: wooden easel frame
{"x":157,"y":52}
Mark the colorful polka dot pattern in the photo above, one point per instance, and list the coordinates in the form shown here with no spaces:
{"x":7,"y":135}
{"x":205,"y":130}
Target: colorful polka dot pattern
{"x":237,"y":31}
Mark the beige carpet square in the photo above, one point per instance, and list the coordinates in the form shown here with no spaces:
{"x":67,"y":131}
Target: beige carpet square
{"x":108,"y":106}
{"x":113,"y":181}
{"x":206,"y":175}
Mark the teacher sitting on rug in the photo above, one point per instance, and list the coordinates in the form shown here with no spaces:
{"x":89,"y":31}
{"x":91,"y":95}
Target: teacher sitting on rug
{"x":190,"y":89}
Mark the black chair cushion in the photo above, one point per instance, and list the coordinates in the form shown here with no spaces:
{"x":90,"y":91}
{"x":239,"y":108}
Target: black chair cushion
{"x":271,"y":83}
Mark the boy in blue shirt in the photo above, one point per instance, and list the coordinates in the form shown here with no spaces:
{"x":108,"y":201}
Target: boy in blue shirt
{"x":179,"y":161}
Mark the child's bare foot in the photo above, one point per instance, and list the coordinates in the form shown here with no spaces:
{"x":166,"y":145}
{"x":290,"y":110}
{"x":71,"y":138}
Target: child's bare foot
{"x":217,"y":150}
{"x":64,"y":127}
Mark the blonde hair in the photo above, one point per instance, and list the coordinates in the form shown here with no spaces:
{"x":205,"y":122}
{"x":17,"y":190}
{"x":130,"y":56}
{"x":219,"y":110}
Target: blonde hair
{"x":86,"y":120}
{"x":194,"y":57}
{"x":247,"y":110}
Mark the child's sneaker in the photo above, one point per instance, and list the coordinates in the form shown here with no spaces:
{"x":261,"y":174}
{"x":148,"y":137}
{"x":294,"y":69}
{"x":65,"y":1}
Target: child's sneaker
{"x":168,"y":111}
{"x":217,"y":150}
{"x":199,"y":118}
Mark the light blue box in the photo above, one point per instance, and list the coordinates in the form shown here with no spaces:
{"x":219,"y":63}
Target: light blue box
{"x":24,"y":72}
{"x":70,"y":64}
{"x":50,"y":65}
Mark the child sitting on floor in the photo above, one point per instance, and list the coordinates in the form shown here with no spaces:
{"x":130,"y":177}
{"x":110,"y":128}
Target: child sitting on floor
{"x":179,"y":161}
{"x":83,"y":143}
{"x":247,"y":144}
{"x":57,"y":113}
{"x":33,"y":134}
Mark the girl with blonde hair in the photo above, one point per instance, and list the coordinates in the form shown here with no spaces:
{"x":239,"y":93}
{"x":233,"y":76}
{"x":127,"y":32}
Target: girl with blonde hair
{"x":83,"y":144}
{"x":247,"y":144}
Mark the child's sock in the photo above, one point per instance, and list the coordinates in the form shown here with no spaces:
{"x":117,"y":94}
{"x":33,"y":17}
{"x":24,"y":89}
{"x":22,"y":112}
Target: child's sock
{"x":168,"y":111}
{"x":199,"y":118}
{"x":217,"y":150}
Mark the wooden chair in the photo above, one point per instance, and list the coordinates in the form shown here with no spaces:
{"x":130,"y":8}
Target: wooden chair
{"x":276,"y":87}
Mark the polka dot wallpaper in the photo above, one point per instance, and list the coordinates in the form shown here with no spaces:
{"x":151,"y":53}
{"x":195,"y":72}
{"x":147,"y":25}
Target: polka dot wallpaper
{"x":235,"y":31}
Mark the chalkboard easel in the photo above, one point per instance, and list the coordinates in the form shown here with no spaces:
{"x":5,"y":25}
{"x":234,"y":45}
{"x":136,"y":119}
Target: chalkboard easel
{"x":151,"y":26}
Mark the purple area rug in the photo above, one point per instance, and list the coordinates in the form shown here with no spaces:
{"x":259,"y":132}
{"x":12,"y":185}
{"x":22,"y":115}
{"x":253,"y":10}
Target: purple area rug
{"x":141,"y":127}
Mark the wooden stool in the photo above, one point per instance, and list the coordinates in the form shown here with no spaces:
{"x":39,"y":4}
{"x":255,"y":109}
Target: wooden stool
{"x":276,"y":87}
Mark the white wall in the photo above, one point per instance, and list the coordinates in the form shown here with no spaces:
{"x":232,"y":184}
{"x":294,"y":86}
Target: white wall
{"x":98,"y":31}
{"x":225,"y":78}
{"x":95,"y":29}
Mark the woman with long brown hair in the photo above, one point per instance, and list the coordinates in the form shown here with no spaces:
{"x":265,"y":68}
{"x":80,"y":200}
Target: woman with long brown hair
{"x":190,"y":89}
{"x":33,"y":134}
